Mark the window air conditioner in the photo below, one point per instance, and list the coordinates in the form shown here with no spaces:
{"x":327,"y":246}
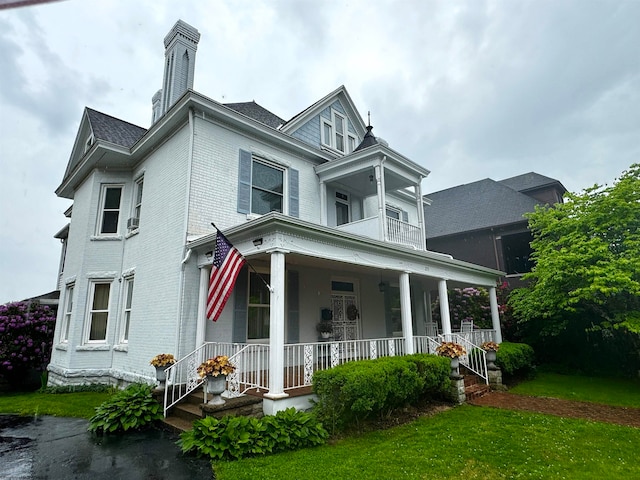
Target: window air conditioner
{"x":133,"y":223}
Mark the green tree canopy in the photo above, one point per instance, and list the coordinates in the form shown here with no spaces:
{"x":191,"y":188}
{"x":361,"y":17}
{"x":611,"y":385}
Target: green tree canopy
{"x":587,"y":261}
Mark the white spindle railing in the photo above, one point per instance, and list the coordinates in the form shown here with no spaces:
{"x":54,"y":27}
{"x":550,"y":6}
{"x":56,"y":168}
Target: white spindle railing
{"x":252,"y":370}
{"x":182,"y":376}
{"x":404,"y":233}
{"x":302,"y":360}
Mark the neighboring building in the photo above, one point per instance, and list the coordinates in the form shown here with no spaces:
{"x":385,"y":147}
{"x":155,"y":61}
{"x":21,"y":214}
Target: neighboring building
{"x":328,"y":215}
{"x":483,"y":222}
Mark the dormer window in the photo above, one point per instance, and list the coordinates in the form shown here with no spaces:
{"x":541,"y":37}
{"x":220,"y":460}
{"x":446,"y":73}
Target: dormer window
{"x":335,"y":134}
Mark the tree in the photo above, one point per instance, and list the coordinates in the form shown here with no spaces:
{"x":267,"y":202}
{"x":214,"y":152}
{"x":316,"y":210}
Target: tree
{"x":587,"y":263}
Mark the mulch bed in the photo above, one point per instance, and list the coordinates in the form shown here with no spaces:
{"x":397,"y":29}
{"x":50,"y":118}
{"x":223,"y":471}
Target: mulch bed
{"x":564,"y":408}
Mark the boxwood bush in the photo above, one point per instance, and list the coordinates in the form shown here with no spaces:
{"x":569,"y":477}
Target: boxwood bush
{"x":515,"y":359}
{"x":355,"y":391}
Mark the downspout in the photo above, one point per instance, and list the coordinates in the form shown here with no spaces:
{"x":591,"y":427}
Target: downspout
{"x":185,"y":252}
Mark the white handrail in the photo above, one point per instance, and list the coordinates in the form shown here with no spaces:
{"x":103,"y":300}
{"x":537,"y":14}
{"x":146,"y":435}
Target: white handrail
{"x":252,"y":370}
{"x":182,"y":376}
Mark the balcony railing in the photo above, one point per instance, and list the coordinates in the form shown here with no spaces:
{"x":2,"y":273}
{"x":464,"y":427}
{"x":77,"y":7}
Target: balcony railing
{"x":404,"y":233}
{"x":399,"y":232}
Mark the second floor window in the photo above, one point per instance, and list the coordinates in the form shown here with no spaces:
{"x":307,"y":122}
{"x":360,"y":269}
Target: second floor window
{"x":110,"y":210}
{"x":267,"y":188}
{"x":138,"y":200}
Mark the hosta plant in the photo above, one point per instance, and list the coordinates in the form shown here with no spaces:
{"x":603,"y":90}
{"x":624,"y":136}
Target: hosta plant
{"x":130,"y":409}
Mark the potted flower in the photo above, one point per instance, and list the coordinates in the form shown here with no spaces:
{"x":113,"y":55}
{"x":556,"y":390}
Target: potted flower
{"x":162,"y":361}
{"x":491,"y":348}
{"x":452,"y":350}
{"x":216,"y":370}
{"x":325,"y":329}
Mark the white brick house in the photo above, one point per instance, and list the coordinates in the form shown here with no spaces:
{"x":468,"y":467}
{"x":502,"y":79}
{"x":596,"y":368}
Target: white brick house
{"x":329,"y":215}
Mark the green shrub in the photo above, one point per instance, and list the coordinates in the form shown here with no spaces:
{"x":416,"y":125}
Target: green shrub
{"x":234,"y":437}
{"x":515,"y":359}
{"x":355,"y":391}
{"x":129,"y":409}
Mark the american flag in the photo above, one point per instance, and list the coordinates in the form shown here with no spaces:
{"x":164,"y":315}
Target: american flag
{"x":227,"y":262}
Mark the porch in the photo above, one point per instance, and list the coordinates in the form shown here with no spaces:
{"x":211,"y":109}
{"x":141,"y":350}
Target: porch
{"x":301,"y":360}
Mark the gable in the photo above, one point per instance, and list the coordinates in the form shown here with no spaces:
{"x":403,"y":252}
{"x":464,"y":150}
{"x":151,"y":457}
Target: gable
{"x":318,"y":124}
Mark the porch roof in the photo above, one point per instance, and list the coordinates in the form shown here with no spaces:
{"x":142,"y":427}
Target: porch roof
{"x":327,"y":244}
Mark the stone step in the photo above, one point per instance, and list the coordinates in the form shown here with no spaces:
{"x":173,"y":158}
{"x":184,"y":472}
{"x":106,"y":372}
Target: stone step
{"x":476,"y":391}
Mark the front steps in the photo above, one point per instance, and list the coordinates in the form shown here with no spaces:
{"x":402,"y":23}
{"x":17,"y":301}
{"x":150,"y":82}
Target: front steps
{"x":192,"y":408}
{"x":474,"y":386}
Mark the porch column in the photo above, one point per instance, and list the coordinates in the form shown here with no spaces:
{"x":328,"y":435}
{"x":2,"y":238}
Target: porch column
{"x":323,"y":204}
{"x":276,"y":327}
{"x":495,"y":313}
{"x":444,"y":307}
{"x":405,"y":313}
{"x":201,"y":321}
{"x":423,"y":232}
{"x":382,"y":209}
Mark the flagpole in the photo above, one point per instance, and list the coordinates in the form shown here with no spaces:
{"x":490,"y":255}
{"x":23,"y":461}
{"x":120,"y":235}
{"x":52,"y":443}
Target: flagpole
{"x":249,"y":264}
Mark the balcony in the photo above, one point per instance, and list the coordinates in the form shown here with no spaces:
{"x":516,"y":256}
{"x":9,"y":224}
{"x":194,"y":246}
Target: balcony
{"x":397,"y":231}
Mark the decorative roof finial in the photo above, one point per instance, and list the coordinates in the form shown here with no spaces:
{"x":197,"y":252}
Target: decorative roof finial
{"x":369,"y":118}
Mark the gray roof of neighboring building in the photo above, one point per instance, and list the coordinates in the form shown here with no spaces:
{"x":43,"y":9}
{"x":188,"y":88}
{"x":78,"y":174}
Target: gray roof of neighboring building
{"x":530,"y":181}
{"x":257,"y":112}
{"x":475,"y":206}
{"x":113,"y":130}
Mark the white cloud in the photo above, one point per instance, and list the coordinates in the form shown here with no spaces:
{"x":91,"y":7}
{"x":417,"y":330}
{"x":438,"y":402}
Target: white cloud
{"x":469,"y":89}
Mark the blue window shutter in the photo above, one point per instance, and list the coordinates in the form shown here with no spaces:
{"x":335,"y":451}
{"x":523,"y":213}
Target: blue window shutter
{"x":294,"y":193}
{"x":405,"y":217}
{"x":244,"y":182}
{"x":293,"y":307}
{"x":240,"y":290}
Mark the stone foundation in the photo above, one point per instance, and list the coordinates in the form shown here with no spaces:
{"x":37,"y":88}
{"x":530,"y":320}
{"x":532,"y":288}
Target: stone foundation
{"x":456,"y":393}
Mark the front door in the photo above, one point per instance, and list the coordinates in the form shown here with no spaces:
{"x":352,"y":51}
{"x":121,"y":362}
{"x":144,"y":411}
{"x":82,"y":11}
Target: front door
{"x":345,"y":316}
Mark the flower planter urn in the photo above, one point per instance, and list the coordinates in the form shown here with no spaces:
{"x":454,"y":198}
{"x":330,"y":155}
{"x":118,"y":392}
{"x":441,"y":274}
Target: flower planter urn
{"x":455,"y":364}
{"x":161,"y":373}
{"x":491,"y":358}
{"x":216,"y":386}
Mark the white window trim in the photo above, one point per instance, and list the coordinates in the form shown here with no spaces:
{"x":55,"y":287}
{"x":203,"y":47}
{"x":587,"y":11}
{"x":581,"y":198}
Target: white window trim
{"x":285,"y":185}
{"x":124,"y":328}
{"x":259,"y":271}
{"x":393,"y":209}
{"x":346,"y":202}
{"x":331,"y":143}
{"x":101,"y":209}
{"x":89,"y":143}
{"x":66,"y":315}
{"x":90,"y":311}
{"x":136,"y":206}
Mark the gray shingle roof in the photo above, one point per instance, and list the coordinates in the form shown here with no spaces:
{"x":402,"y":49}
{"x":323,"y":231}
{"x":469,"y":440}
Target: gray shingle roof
{"x":114,"y":130}
{"x":529,"y":181}
{"x":257,"y":112}
{"x":475,"y":206}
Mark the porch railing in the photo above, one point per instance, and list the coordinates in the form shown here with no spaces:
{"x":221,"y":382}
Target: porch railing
{"x":182,"y":376}
{"x":302,"y":360}
{"x":404,"y":233}
{"x":252,"y":370}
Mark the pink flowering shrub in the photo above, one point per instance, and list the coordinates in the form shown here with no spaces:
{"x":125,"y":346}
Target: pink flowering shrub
{"x":26,"y":337}
{"x":470,"y":304}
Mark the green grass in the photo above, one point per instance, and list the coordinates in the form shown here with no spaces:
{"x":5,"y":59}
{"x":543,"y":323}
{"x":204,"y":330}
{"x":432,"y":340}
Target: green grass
{"x":463,"y":443}
{"x":79,"y":404}
{"x":610,"y":391}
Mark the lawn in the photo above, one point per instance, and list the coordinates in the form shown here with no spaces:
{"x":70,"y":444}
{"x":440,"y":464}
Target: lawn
{"x":465,"y":442}
{"x":79,"y":404}
{"x":611,"y":391}
{"x":471,"y":442}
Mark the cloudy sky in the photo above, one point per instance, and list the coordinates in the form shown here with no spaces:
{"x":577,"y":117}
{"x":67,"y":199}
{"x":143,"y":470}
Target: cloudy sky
{"x":469,"y":89}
